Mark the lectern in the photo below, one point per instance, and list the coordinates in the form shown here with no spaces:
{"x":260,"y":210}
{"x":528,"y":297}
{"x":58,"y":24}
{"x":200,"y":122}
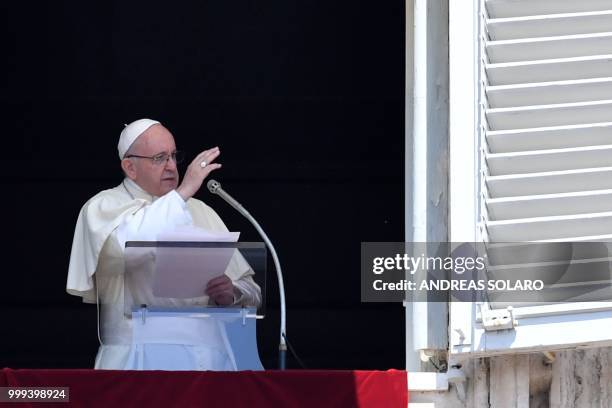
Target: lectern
{"x":164,"y":321}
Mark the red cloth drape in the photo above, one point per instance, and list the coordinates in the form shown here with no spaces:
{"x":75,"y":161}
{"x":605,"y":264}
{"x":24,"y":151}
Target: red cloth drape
{"x":252,"y":389}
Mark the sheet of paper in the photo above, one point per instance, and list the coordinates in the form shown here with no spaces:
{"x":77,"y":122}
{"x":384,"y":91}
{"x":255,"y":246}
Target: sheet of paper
{"x":189,"y":233}
{"x":184,"y":272}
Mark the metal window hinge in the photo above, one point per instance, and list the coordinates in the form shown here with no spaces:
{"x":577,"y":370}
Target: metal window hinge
{"x":498,"y":319}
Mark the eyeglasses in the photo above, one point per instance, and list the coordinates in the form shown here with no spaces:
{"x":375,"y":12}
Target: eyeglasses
{"x":162,"y":158}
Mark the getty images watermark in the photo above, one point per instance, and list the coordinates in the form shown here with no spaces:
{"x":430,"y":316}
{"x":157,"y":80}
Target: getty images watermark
{"x":501,"y":272}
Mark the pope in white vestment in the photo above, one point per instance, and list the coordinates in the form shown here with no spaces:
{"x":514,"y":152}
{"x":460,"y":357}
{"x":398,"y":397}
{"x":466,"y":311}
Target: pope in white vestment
{"x":128,"y":212}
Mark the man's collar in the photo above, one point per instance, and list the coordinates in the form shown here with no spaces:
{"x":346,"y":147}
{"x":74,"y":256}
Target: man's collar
{"x":135,"y":191}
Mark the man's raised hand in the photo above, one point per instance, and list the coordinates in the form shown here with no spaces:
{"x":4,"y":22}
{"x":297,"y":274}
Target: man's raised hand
{"x":197,"y":171}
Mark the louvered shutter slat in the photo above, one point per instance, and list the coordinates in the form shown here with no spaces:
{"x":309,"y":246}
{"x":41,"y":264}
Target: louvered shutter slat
{"x":553,"y":182}
{"x":556,"y":137}
{"x":547,"y":93}
{"x":519,"y":8}
{"x":582,"y":202}
{"x":560,"y":69}
{"x":534,"y":116}
{"x":549,"y":47}
{"x":549,"y":25}
{"x":550,"y":160}
{"x":542,"y":228}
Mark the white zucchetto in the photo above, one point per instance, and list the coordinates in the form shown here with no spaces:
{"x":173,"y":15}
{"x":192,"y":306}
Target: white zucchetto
{"x":131,"y":132}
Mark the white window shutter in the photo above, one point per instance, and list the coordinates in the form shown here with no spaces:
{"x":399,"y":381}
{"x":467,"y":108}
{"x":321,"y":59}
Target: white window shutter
{"x":544,"y":137}
{"x":547,"y":101}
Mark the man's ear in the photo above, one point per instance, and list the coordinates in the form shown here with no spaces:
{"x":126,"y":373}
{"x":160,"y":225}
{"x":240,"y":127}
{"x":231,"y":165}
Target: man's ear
{"x":128,"y":168}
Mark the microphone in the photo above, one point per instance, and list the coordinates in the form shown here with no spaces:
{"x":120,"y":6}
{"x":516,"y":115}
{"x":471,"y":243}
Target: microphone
{"x":215,"y":187}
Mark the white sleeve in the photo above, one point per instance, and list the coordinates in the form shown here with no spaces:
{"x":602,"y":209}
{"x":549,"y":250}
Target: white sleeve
{"x":166,"y":212}
{"x":249,"y":292}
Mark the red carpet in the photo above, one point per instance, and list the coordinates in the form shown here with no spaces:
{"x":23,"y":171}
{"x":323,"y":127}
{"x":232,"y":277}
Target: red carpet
{"x":252,"y":389}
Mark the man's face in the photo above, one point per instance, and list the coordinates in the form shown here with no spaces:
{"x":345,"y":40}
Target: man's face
{"x":155,"y":179}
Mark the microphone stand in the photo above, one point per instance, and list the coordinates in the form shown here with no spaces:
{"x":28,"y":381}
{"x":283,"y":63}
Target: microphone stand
{"x":215,"y":188}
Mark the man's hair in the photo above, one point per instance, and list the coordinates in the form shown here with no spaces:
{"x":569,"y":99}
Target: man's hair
{"x":127,"y":153}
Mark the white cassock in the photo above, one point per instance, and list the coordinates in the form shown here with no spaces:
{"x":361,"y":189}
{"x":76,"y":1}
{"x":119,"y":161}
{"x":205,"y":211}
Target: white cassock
{"x":97,"y":267}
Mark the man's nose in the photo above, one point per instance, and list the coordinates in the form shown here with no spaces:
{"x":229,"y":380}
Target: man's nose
{"x":170,"y":163}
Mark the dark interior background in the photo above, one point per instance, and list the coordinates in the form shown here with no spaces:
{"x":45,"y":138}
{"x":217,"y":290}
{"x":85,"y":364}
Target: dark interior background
{"x":306,"y":101}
